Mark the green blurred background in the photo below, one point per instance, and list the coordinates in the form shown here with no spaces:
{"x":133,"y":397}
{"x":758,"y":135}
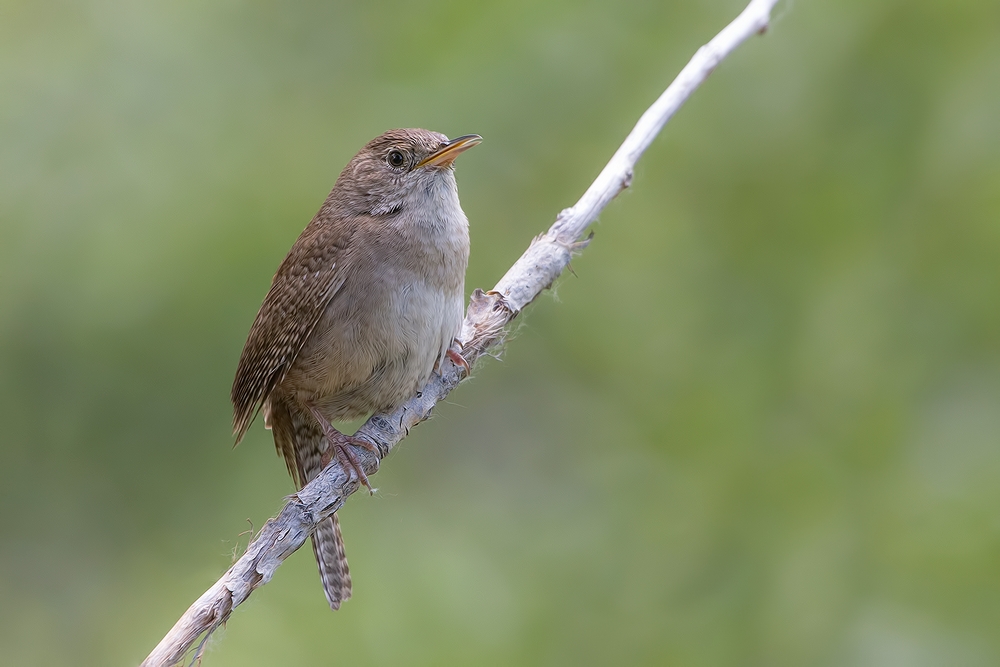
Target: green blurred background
{"x":759,"y":427}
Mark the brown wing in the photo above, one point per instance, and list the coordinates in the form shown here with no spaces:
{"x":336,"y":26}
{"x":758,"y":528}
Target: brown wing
{"x":302,"y":287}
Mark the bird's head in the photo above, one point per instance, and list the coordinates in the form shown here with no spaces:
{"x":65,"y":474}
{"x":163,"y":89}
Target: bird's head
{"x":400,"y":168}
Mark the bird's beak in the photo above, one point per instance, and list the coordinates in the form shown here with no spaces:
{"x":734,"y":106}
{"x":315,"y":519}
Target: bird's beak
{"x":444,"y":156}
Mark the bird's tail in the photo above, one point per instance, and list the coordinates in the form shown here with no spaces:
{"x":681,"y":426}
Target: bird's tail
{"x":328,"y":545}
{"x":300,"y":441}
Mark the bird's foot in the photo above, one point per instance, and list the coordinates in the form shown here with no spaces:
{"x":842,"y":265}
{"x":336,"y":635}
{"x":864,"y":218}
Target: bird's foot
{"x":455,"y":354}
{"x":338,"y":448}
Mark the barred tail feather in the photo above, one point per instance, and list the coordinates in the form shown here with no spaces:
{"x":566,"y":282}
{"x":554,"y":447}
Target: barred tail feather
{"x":328,"y":546}
{"x":300,"y":441}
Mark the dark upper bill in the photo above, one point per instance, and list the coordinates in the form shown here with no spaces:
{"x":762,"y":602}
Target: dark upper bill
{"x":445,"y":155}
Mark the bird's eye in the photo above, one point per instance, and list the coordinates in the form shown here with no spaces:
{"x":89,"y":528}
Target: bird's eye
{"x":395,"y":159}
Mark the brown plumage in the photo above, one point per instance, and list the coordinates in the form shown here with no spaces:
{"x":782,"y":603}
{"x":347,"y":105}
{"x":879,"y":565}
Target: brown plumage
{"x":366,"y":303}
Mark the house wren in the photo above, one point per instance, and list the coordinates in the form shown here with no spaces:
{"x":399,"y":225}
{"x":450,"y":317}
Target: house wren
{"x":365,"y":305}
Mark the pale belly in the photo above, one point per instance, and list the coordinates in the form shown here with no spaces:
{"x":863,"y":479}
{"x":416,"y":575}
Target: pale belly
{"x":371,"y":353}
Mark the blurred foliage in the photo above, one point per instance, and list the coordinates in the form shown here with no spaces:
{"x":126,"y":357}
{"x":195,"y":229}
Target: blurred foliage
{"x":759,"y":427}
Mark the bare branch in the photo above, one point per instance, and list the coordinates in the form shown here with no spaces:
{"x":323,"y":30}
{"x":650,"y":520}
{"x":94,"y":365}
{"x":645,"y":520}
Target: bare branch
{"x":484,"y":326}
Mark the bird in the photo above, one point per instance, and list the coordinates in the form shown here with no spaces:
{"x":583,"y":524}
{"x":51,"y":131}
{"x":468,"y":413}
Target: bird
{"x":365,"y":306}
